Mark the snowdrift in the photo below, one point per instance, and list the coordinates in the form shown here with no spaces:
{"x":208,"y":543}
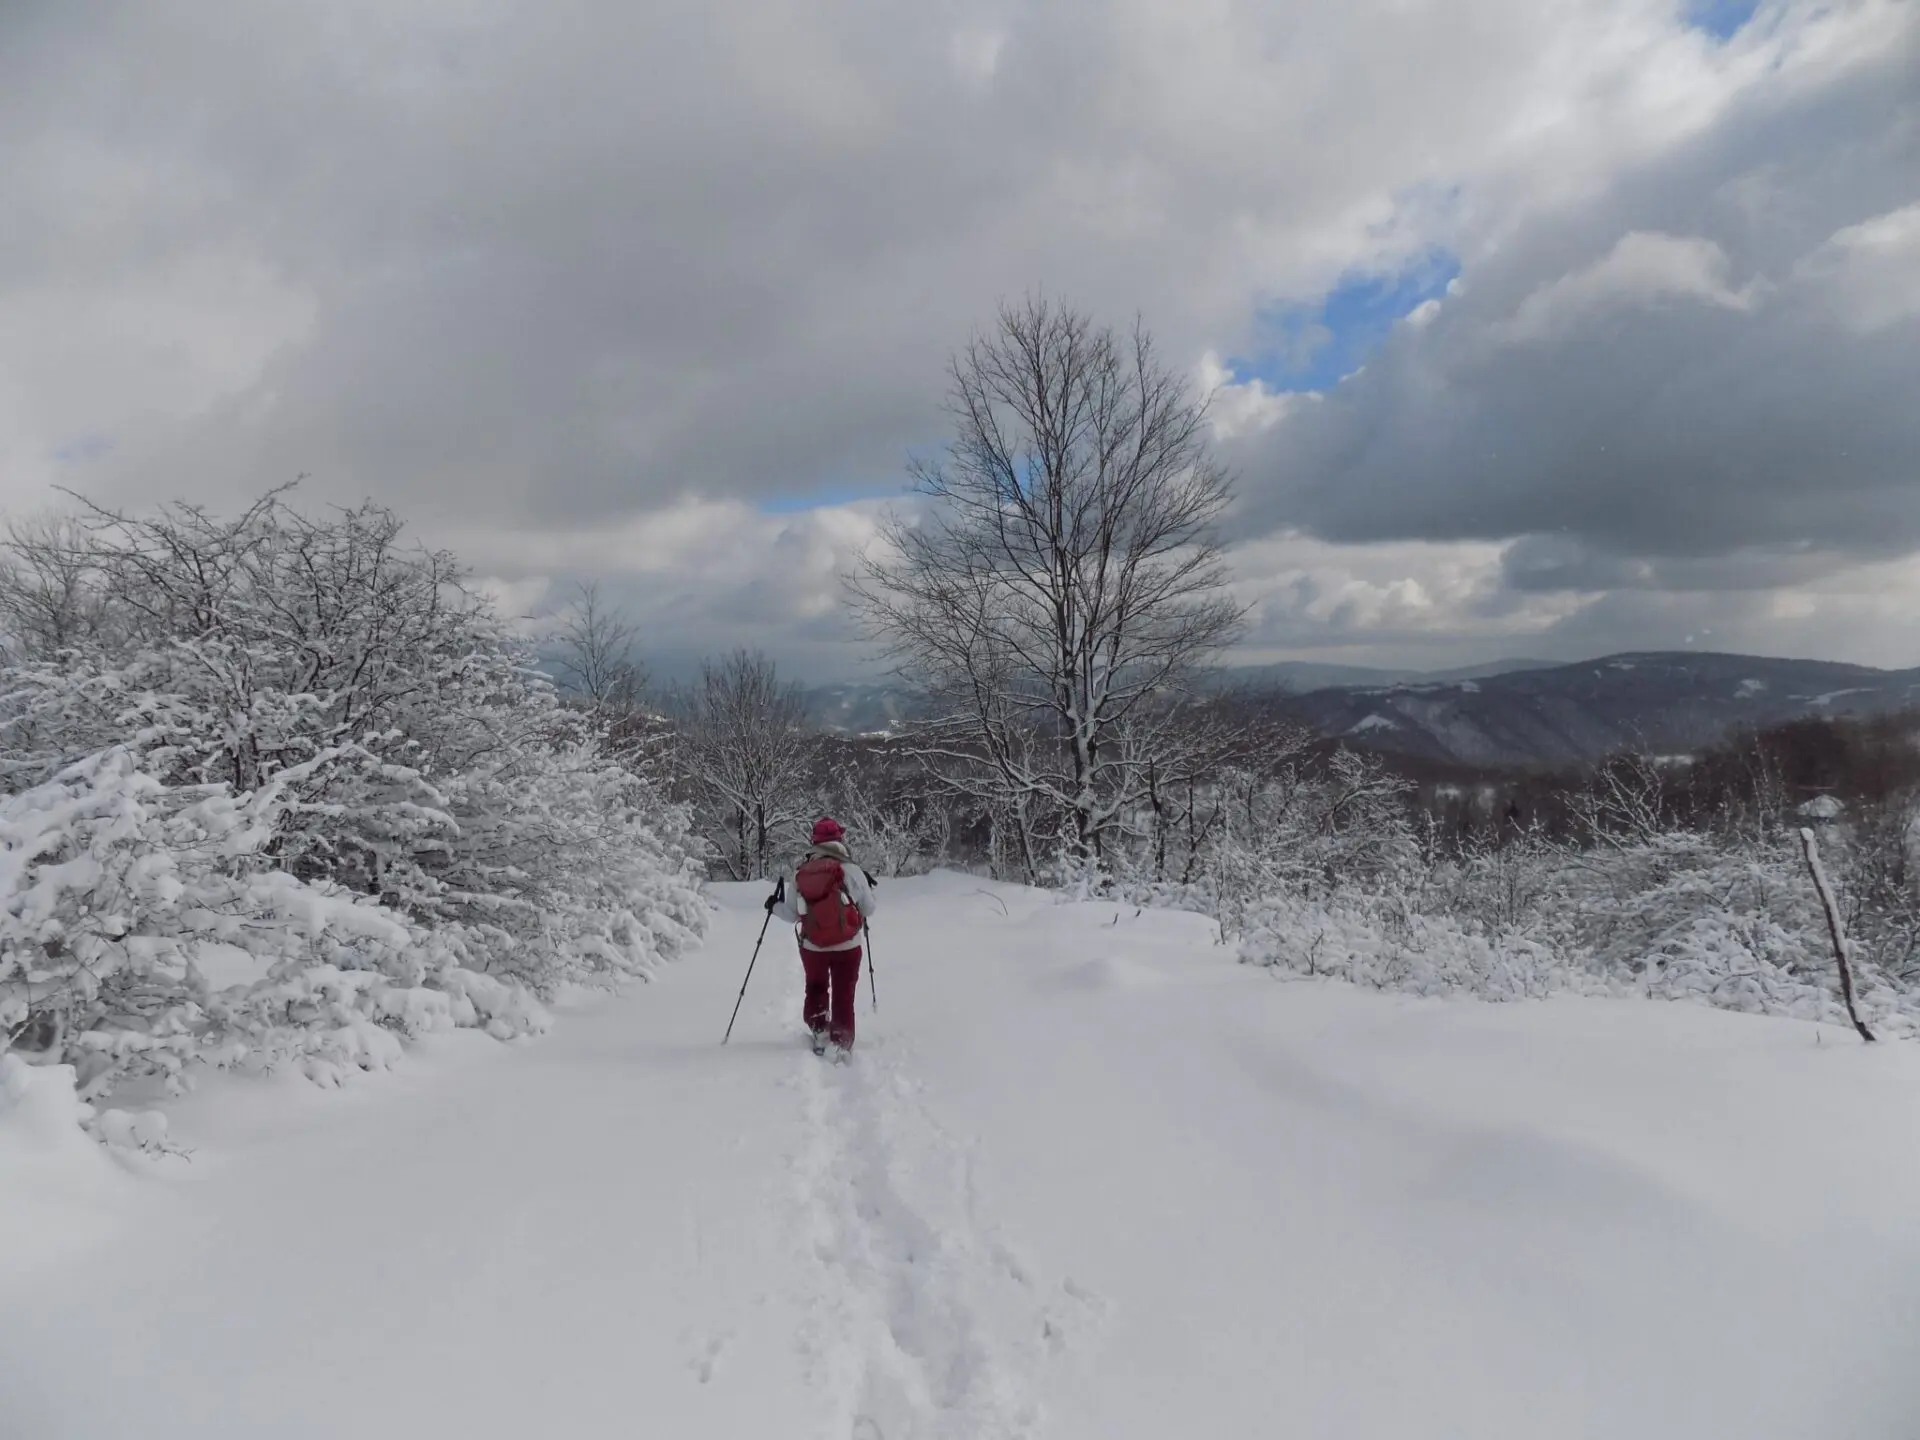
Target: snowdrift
{"x":59,"y":1191}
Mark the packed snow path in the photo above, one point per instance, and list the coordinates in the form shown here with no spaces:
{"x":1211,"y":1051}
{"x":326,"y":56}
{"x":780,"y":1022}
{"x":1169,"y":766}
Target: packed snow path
{"x":1084,"y":1178}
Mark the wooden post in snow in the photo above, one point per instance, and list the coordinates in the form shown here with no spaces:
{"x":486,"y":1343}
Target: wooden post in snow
{"x":1811,"y":849}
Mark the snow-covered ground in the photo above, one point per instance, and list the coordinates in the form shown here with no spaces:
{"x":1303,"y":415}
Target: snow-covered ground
{"x":1086,"y":1177}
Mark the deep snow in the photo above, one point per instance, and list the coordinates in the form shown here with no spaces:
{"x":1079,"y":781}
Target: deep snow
{"x":1086,"y":1177}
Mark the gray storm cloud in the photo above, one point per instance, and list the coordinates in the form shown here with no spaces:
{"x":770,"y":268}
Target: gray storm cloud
{"x":1714,"y":359}
{"x":539,"y":275}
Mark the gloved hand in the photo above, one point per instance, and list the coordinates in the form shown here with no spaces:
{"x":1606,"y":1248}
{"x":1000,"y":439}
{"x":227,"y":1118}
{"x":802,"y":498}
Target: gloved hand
{"x":767,"y":904}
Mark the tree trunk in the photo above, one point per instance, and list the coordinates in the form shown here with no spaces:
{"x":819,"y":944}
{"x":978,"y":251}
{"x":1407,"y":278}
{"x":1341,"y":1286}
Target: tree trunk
{"x":1158,"y":803}
{"x":1026,"y":843}
{"x":1811,"y":849}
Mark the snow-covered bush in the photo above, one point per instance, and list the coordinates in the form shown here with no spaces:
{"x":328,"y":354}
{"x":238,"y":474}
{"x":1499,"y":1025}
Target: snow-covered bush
{"x":566,"y":866}
{"x":1292,"y":829}
{"x":298,"y":742}
{"x":1368,"y":941}
{"x":1723,"y":919}
{"x":1318,"y":865}
{"x":113,"y":883}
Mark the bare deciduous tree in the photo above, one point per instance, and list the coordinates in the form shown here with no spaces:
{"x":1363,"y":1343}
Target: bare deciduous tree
{"x":898,"y":828}
{"x":743,"y":747}
{"x":1180,"y":751}
{"x":49,"y":587}
{"x":595,"y":645}
{"x":1066,"y":576}
{"x":1625,"y":802}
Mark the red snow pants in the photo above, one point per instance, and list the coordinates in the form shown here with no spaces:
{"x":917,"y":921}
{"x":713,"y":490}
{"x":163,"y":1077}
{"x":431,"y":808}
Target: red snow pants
{"x":832,"y":977}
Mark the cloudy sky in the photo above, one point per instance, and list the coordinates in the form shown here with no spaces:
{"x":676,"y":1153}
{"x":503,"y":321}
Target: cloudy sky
{"x":1537,"y":327}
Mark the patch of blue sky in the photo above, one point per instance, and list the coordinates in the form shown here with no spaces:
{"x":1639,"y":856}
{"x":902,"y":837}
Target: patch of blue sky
{"x":1314,"y":346}
{"x":1722,"y":19}
{"x":84,"y":449}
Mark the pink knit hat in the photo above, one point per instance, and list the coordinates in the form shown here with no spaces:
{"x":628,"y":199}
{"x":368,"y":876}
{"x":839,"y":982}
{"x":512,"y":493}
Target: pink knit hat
{"x":827,"y":829}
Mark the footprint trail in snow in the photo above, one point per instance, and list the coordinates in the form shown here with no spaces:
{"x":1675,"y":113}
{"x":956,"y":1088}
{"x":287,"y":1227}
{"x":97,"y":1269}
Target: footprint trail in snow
{"x":925,"y":1323}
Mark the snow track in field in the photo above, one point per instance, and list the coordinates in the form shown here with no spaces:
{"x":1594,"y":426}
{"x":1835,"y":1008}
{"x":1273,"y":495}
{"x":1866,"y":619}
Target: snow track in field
{"x":925,"y":1322}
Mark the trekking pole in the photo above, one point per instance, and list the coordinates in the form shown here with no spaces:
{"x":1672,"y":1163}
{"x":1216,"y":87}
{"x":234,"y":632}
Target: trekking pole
{"x":779,"y":889}
{"x":873,"y":985}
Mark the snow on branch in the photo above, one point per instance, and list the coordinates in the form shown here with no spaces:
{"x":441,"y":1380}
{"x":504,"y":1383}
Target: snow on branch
{"x":284,"y":790}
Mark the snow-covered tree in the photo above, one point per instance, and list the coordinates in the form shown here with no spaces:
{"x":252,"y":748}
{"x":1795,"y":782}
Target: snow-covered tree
{"x":307,"y":752}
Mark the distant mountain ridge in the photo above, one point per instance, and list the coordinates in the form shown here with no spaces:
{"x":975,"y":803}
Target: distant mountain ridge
{"x":1514,"y":712}
{"x":1669,"y":702}
{"x":871,"y":707}
{"x":1305,"y":675}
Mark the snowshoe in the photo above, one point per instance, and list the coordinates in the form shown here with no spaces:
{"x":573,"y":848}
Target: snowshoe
{"x":818,"y":1040}
{"x":842,"y":1054}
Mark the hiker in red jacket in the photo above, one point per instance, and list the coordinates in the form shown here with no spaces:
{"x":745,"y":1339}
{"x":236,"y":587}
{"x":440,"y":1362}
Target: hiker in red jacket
{"x":829,"y":899}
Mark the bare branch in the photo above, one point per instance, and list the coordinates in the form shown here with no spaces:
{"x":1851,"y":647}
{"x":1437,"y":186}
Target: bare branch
{"x":1067,"y":578}
{"x":596,"y":660}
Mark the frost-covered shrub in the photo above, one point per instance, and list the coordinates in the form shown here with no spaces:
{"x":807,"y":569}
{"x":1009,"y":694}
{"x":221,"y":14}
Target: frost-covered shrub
{"x":112,"y":882}
{"x":1369,"y":942}
{"x":1317,"y":865}
{"x":1294,"y":830}
{"x":1725,"y":920}
{"x":297,"y":742}
{"x":114,"y":887}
